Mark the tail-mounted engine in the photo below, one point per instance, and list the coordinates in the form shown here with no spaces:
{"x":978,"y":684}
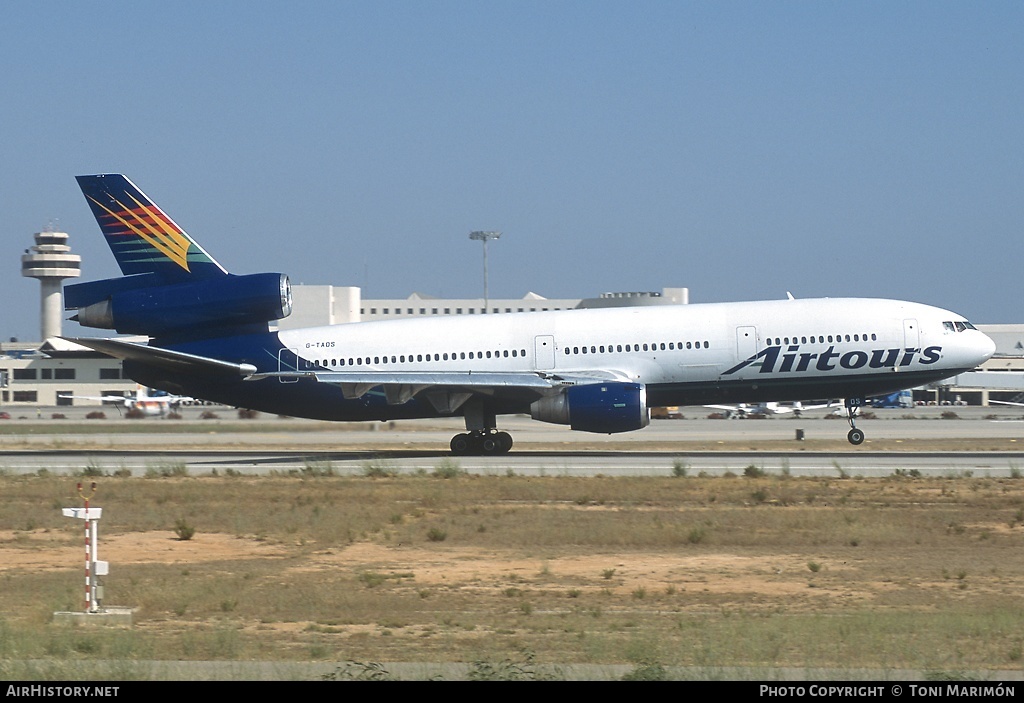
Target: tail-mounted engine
{"x":144,"y":304}
{"x":599,"y":407}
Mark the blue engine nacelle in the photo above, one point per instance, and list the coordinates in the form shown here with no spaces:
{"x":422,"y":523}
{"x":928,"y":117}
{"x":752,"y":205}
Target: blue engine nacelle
{"x":186,"y":307}
{"x":597,"y":407}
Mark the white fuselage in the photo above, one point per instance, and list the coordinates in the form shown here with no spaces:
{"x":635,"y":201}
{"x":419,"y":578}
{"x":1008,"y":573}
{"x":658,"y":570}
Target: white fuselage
{"x":785,"y":345}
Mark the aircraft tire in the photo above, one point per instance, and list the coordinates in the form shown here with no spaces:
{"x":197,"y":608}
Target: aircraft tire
{"x":504,"y":441}
{"x":490,"y":445}
{"x":855,"y":436}
{"x":461,"y":444}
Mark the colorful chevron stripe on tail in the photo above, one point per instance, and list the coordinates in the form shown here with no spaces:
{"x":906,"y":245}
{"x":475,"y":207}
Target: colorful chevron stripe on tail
{"x":141,"y":236}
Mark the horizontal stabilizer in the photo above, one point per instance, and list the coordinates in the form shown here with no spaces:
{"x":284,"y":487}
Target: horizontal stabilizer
{"x":165,"y":358}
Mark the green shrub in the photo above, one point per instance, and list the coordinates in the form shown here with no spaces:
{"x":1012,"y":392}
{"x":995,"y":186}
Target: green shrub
{"x":184,"y":530}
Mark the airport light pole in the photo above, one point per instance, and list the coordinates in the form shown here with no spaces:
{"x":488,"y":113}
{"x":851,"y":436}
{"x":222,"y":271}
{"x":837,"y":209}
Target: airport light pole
{"x":485,"y":237}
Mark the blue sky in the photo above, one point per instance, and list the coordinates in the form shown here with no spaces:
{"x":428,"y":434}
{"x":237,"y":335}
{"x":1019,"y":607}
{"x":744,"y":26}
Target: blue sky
{"x":741,"y":149}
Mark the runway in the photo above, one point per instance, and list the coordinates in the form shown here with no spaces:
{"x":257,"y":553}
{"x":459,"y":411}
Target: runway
{"x":978,"y":442}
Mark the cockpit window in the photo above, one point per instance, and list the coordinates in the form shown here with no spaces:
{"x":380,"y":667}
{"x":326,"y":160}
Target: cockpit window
{"x":958,"y":326}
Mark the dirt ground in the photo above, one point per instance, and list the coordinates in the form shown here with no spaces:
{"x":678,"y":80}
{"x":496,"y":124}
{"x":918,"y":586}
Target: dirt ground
{"x":40,"y":551}
{"x":918,"y":572}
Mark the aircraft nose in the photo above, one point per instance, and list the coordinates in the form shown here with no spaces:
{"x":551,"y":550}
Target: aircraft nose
{"x":986,"y":347}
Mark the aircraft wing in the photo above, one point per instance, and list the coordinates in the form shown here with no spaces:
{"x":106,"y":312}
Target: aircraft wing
{"x":821,"y":406}
{"x":155,"y":356}
{"x":445,"y":389}
{"x":111,"y":399}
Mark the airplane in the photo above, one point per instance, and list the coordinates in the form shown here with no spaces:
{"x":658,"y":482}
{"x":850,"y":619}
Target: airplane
{"x":145,"y":401}
{"x":595,"y":370}
{"x":770,"y":408}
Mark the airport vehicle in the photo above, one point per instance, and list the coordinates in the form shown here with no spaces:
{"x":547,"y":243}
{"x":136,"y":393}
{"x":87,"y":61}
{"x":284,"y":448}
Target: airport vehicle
{"x":902,"y":399}
{"x":596,"y":370}
{"x":146,"y":401}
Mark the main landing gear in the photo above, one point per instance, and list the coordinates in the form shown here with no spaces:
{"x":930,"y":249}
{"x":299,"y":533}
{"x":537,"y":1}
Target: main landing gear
{"x":480,"y":437}
{"x":855,"y":436}
{"x":481,"y":442}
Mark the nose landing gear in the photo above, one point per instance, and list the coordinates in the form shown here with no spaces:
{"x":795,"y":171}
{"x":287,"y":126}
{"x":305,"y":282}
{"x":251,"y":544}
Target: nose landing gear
{"x":854,"y":436}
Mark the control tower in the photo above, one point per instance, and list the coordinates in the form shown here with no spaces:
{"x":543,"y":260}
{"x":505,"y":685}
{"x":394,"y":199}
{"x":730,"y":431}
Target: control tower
{"x":51,"y":261}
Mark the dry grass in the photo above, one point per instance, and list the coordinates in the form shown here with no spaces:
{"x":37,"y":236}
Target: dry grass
{"x":897,"y":573}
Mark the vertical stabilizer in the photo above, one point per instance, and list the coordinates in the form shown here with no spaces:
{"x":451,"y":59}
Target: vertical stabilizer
{"x":141,"y":236}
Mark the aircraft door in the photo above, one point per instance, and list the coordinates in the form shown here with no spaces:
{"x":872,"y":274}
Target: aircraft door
{"x":544,"y":352}
{"x":911,"y":335}
{"x":287,"y":360}
{"x":746,"y":342}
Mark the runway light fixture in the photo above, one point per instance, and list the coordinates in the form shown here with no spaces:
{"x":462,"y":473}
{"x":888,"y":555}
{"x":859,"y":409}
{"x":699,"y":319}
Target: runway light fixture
{"x":485,"y":237}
